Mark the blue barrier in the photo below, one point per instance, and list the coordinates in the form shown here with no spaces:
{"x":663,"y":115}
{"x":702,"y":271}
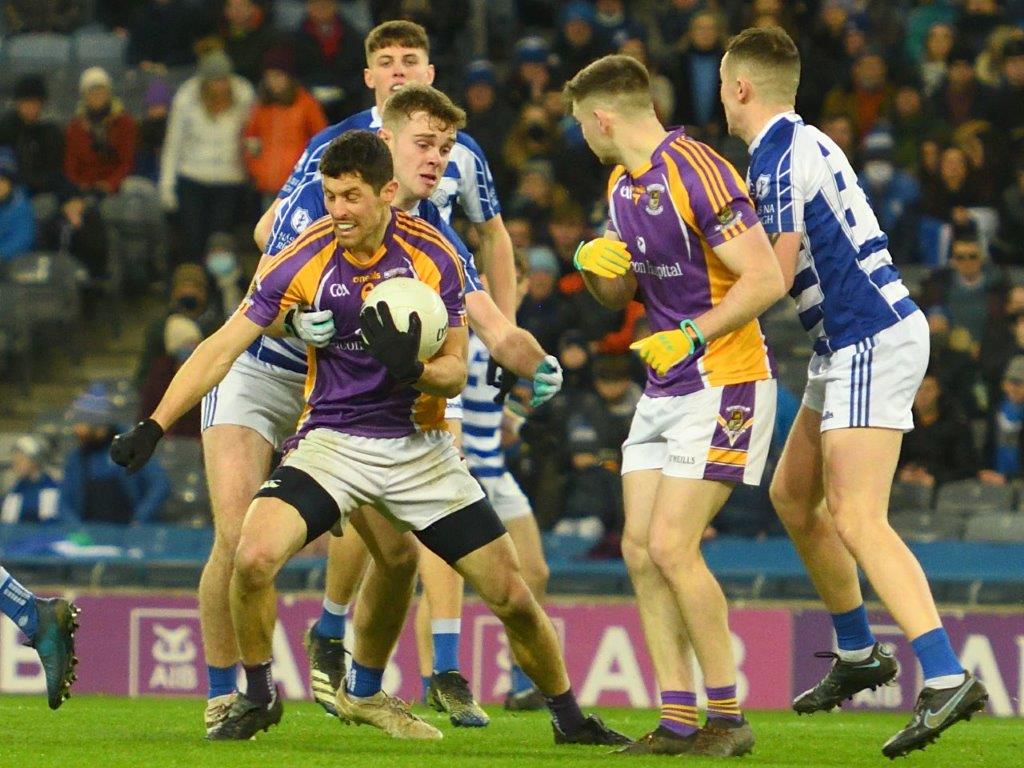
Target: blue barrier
{"x":145,"y":547}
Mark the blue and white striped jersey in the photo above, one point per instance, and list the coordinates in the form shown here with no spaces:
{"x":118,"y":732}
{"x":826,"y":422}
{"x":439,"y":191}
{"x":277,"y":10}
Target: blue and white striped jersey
{"x":481,"y":416}
{"x":467,"y":178}
{"x":846,"y":287}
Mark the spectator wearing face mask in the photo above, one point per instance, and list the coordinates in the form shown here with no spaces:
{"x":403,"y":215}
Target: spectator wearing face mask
{"x":190,"y":292}
{"x":222,"y":265}
{"x":894,"y":194}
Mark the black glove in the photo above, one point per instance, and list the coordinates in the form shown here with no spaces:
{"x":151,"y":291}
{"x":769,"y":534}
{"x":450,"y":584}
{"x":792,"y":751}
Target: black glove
{"x":502,"y":378}
{"x":133,"y":448}
{"x":398,"y":352}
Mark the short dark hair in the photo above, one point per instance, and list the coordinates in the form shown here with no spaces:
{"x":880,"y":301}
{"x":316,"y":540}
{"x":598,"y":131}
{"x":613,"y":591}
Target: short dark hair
{"x":613,"y":76}
{"x":966,"y":232}
{"x":415,"y":97}
{"x":359,"y":152}
{"x":772,"y":57}
{"x":406,"y":34}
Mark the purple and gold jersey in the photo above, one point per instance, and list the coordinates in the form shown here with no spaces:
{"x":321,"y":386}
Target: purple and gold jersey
{"x":346,"y":389}
{"x":671,"y":214}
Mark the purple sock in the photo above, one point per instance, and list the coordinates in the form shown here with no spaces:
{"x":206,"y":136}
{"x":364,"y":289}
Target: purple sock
{"x":679,"y":712}
{"x":565,"y":711}
{"x":722,"y":703}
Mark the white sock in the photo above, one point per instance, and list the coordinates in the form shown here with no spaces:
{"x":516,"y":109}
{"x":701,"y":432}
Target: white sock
{"x":945,"y":681}
{"x":335,"y":608}
{"x":861,"y":654}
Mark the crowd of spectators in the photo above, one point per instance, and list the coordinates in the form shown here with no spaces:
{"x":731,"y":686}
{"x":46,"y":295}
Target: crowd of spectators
{"x":926,"y":97}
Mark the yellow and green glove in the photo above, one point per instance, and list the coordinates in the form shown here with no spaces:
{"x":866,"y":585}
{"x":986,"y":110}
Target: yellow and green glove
{"x":603,"y":257}
{"x":666,"y":349}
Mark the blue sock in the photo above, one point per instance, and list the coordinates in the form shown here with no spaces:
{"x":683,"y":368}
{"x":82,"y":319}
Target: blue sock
{"x":364,"y":681}
{"x":19,"y":604}
{"x":332,"y":620}
{"x":852,"y":630}
{"x":936,"y":655}
{"x":222,"y":680}
{"x":446,"y":643}
{"x":521,"y":683}
{"x":426,"y":685}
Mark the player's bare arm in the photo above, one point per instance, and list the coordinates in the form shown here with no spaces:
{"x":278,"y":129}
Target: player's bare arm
{"x":787,"y":248}
{"x":611,"y":292}
{"x":497,"y":264}
{"x":516,"y":349}
{"x":760,"y":284}
{"x":444,"y":375}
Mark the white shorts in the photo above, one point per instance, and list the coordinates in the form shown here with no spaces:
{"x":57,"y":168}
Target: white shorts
{"x":719,"y":433}
{"x":453,"y":409}
{"x":414,"y":480}
{"x":259,"y":396}
{"x":506,"y":497}
{"x":871,"y":383}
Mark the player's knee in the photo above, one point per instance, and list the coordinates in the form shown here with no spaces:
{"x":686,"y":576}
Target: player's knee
{"x":513,"y":600}
{"x":854,"y":530}
{"x":537,"y":576}
{"x":670,"y":558}
{"x":636,"y":555}
{"x":402,"y":559}
{"x":255,"y":564}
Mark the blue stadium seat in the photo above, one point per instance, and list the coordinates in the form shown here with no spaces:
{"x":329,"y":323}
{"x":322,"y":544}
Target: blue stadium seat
{"x":927,"y":525}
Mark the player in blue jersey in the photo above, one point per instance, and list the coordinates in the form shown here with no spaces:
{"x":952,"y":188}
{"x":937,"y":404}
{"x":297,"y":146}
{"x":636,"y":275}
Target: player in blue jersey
{"x":49,"y":624}
{"x":870,"y":354}
{"x":483,"y":414}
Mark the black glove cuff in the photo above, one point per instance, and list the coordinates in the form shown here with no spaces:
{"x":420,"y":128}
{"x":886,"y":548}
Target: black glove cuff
{"x":151,"y":428}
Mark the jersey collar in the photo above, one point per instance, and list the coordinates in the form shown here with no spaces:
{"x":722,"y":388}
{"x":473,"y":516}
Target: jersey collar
{"x":791,"y":115}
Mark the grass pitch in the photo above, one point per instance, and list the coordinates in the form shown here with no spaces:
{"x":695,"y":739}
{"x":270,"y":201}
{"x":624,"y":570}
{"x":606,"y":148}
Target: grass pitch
{"x":108,"y":732}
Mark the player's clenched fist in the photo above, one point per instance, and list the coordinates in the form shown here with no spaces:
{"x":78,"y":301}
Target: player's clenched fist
{"x":664,"y":349}
{"x":602,"y":256}
{"x":133,"y":448}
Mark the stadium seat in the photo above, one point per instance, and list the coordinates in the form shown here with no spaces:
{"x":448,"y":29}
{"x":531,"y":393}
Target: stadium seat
{"x":38,"y":52}
{"x":189,"y":503}
{"x":995,"y":526}
{"x":136,"y":234}
{"x":15,"y":339}
{"x":51,"y":301}
{"x":99,"y":48}
{"x":972,"y":497}
{"x":926,"y":525}
{"x":289,"y":14}
{"x":909,"y":496}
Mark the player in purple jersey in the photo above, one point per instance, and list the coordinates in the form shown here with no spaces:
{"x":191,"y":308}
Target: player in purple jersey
{"x":682,"y":238}
{"x":832,"y":484}
{"x":419,"y":125}
{"x":372,"y":433}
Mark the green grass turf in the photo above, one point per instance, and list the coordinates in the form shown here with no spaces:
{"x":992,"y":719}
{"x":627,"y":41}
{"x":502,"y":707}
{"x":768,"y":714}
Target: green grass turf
{"x":151,"y":733}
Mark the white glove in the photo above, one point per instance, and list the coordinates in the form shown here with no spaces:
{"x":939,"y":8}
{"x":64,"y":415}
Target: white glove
{"x":316,"y":328}
{"x":547,"y":381}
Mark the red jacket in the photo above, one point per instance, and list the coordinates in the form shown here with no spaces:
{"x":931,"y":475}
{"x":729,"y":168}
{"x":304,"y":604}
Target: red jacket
{"x":88,"y":162}
{"x":276,"y":135}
